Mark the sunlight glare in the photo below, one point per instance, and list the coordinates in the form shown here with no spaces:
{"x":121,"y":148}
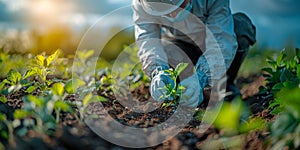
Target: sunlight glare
{"x":43,"y":8}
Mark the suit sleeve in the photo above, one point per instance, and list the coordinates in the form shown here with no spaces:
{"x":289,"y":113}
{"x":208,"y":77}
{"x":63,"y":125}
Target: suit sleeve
{"x":220,"y":42}
{"x":148,"y":39}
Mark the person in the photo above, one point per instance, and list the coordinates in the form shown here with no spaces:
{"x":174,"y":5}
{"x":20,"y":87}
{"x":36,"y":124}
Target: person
{"x":214,"y":40}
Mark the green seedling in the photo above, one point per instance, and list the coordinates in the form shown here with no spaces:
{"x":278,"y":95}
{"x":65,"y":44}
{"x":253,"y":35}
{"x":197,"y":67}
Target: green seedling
{"x":15,"y":82}
{"x":283,"y":80}
{"x":285,"y":130}
{"x":233,"y":118}
{"x":176,"y":91}
{"x":73,"y":85}
{"x":82,"y":63}
{"x":58,"y":97}
{"x":282,"y":72}
{"x":41,"y":67}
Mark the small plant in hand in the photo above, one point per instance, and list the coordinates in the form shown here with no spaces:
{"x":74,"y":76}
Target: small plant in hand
{"x":174,"y":92}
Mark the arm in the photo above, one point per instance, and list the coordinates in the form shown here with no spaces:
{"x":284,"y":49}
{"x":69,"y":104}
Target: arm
{"x":221,"y":47}
{"x":148,"y":37}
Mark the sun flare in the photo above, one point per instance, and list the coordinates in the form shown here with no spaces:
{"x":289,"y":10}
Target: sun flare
{"x":44,"y":8}
{"x":47,"y":11}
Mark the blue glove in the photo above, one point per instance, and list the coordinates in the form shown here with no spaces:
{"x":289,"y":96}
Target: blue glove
{"x":192,"y":95}
{"x":158,"y":88}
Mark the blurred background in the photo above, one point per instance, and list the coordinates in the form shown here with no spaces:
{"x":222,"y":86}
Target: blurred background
{"x":45,"y":25}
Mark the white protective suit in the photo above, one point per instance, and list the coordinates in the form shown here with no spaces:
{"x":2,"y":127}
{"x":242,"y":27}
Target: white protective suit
{"x":218,"y":50}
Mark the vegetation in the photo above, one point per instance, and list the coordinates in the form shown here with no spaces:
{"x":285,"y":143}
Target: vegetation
{"x":45,"y":86}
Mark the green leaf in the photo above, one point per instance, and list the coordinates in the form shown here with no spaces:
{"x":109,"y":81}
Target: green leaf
{"x":85,"y":54}
{"x":280,"y":57}
{"x":290,"y":84}
{"x":31,"y":89}
{"x":52,"y":57}
{"x":37,"y":101}
{"x":14,"y":76}
{"x":253,"y":124}
{"x":277,"y":86}
{"x":73,"y":84}
{"x":21,"y":114}
{"x":180,"y":67}
{"x":298,"y":71}
{"x":227,"y":117}
{"x":87,"y":99}
{"x":3,"y":117}
{"x":5,"y":81}
{"x":58,"y":89}
{"x":268,"y":70}
{"x":297,"y":52}
{"x":3,"y":99}
{"x":29,"y":73}
{"x":2,"y":84}
{"x":270,"y":60}
{"x":36,"y":70}
{"x":41,"y":60}
{"x":62,"y":106}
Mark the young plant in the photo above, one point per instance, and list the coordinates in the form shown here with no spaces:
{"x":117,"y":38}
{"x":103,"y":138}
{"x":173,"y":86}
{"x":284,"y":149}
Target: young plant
{"x":41,"y":66}
{"x":37,"y":112}
{"x":176,"y":90}
{"x":13,"y":80}
{"x":285,"y":130}
{"x":282,"y":73}
{"x":233,"y":118}
{"x":57,"y":90}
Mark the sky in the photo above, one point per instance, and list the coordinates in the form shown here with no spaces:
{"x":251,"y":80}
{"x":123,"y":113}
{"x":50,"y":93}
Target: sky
{"x":277,"y":21}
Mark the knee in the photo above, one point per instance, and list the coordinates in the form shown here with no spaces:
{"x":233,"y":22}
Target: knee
{"x":244,"y":30}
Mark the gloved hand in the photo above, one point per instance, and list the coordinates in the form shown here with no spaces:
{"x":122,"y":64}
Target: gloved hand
{"x":158,"y":88}
{"x":192,"y":96}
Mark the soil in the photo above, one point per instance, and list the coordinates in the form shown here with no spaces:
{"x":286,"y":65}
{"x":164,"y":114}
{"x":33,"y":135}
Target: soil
{"x":73,"y":134}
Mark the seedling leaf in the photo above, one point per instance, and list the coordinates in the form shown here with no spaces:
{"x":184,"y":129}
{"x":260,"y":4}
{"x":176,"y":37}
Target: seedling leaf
{"x":40,"y":60}
{"x":58,"y":89}
{"x":87,"y":99}
{"x":298,"y":71}
{"x":180,"y":67}
{"x":72,"y":85}
{"x":3,"y":99}
{"x":277,"y":86}
{"x":31,"y":89}
{"x":29,"y":73}
{"x":280,"y":57}
{"x":20,"y":114}
{"x":3,"y":117}
{"x":38,"y":102}
{"x":62,"y":106}
{"x":297,"y":52}
{"x":52,"y":57}
{"x":268,"y":70}
{"x":14,"y":76}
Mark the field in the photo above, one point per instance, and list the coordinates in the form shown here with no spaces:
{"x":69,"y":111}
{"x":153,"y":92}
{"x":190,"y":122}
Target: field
{"x":59,"y":101}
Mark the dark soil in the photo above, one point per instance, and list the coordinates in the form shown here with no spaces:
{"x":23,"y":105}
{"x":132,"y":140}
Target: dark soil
{"x":73,"y":134}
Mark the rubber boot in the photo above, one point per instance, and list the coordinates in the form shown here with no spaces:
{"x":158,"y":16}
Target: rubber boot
{"x":246,"y":36}
{"x":231,"y":90}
